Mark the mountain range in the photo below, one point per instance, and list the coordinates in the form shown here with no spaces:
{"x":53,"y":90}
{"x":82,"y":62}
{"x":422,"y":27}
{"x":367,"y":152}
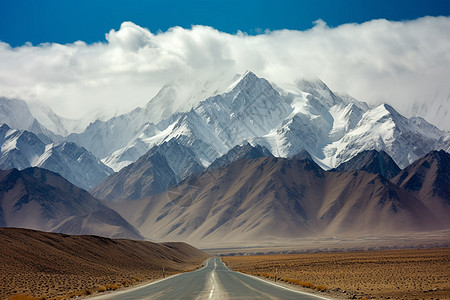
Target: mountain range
{"x":272,"y":199}
{"x":160,"y":168}
{"x":163,"y":167}
{"x":241,"y":159}
{"x":307,"y":116}
{"x":218,"y":115}
{"x":247,"y":196}
{"x":22,"y":149}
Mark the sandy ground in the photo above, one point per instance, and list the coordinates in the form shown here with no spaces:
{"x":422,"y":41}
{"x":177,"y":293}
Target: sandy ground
{"x":58,"y":266}
{"x":390,"y":274}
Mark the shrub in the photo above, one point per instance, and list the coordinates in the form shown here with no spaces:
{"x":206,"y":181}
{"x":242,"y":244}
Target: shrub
{"x":321,"y":288}
{"x":101,"y":289}
{"x":111,"y":287}
{"x":22,"y":297}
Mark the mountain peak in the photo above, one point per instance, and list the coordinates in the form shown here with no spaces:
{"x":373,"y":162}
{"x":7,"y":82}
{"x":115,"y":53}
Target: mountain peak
{"x":302,"y":155}
{"x":154,"y":172}
{"x":22,"y":149}
{"x":372,"y":161}
{"x":239,"y":152}
{"x":390,"y":110}
{"x":438,"y":154}
{"x":15,"y":113}
{"x":249,"y":75}
{"x":313,"y":84}
{"x":247,"y":81}
{"x":4,"y":127}
{"x":442,"y":161}
{"x":319,"y":90}
{"x":435,"y":165}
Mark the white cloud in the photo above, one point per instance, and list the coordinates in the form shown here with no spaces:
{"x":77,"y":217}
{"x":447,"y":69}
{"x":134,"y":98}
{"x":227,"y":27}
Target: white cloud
{"x":397,"y":62}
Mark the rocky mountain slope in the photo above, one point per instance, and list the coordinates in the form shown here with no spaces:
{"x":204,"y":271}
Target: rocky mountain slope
{"x":162,"y":168}
{"x":428,"y":179}
{"x":22,"y":149}
{"x":373,"y":162}
{"x":238,"y":152}
{"x":39,"y":199}
{"x":277,"y":199}
{"x":159,"y":169}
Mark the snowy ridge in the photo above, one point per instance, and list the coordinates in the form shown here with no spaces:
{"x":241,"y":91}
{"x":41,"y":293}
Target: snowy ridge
{"x":16,"y":114}
{"x":383,"y":128}
{"x":306,"y":115}
{"x":21,"y":149}
{"x":211,"y":116}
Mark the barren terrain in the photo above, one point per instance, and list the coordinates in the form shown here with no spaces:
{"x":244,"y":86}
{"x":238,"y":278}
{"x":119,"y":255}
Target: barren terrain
{"x":390,"y":274}
{"x":59,"y":266}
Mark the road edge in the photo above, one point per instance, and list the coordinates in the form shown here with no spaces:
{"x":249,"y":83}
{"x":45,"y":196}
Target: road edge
{"x":125,"y":290}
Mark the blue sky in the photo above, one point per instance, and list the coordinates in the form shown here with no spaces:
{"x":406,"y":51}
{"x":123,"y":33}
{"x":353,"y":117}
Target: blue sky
{"x":88,"y":20}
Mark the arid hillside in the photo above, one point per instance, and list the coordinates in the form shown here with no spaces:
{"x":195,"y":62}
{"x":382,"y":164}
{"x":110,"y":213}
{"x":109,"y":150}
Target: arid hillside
{"x":57,"y":266}
{"x":40,"y":199}
{"x":428,"y":178}
{"x":277,"y":200}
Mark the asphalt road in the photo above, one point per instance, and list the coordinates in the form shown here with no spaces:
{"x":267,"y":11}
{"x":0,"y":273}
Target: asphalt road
{"x":214,"y":281}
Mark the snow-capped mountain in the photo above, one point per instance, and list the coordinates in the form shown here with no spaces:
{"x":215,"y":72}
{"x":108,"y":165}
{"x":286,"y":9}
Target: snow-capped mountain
{"x":19,"y":148}
{"x":249,"y":109}
{"x":16,"y":114}
{"x":103,"y":138}
{"x":307,"y":116}
{"x":57,"y":124}
{"x":183,"y":94}
{"x":119,"y":141}
{"x":383,"y":128}
{"x":22,"y":149}
{"x":318,"y":118}
{"x":212,"y":116}
{"x":160,"y":168}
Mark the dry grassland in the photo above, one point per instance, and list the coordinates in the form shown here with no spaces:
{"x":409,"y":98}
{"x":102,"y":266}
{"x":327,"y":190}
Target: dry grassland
{"x":390,"y":274}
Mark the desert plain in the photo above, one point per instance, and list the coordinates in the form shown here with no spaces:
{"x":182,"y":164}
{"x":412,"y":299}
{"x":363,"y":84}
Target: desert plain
{"x":387,"y":274}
